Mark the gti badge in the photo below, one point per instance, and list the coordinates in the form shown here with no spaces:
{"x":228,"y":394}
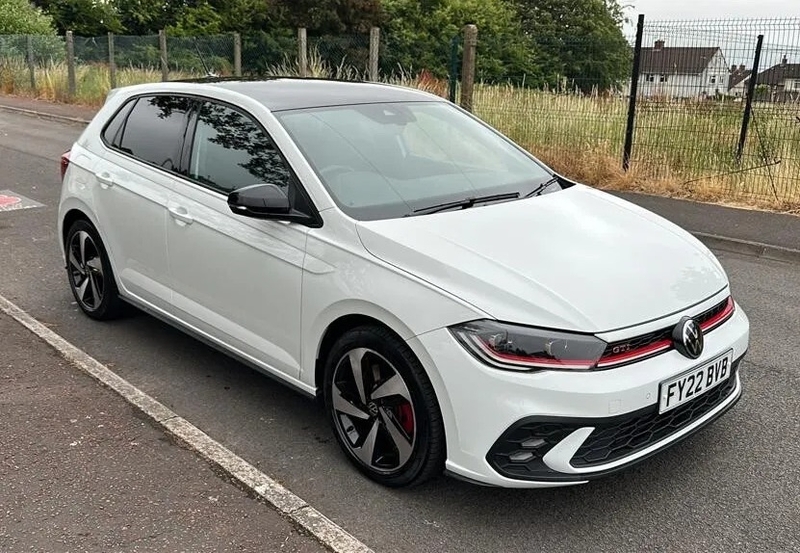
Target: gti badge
{"x":688,"y":338}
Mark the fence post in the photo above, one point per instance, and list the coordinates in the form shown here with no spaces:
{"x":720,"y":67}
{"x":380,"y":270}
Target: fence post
{"x":237,"y":54}
{"x":468,"y":66}
{"x":302,"y":51}
{"x":637,"y":55}
{"x":162,"y":44}
{"x":31,"y":66}
{"x":374,"y":49}
{"x":71,"y":85}
{"x":751,"y":90}
{"x":453,"y":80}
{"x":112,"y":63}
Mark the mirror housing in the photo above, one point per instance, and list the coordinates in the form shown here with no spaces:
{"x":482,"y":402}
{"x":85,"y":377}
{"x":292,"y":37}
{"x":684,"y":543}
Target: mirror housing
{"x":264,"y":201}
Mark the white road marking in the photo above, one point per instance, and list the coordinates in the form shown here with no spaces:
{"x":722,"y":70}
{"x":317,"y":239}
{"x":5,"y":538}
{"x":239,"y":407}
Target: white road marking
{"x":326,"y":531}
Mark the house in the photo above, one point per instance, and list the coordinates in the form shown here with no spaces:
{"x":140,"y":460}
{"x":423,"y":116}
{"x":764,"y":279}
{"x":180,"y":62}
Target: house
{"x":779,"y":83}
{"x":682,"y":71}
{"x":738,"y":81}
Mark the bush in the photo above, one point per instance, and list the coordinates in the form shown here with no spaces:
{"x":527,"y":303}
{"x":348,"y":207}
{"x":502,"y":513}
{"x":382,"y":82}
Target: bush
{"x":20,"y":17}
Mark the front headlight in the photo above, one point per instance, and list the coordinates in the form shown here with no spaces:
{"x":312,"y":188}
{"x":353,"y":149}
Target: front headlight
{"x":522,"y":348}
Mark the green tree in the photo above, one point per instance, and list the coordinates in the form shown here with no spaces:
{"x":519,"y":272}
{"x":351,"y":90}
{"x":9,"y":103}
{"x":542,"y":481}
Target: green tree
{"x":332,"y":16}
{"x":20,"y":17}
{"x":578,"y":42}
{"x":418,"y":37}
{"x":146,"y":17}
{"x":199,"y":19}
{"x":224,"y":16}
{"x":82,"y":17}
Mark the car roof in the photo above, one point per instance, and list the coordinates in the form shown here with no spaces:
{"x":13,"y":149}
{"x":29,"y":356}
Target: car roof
{"x":285,"y":93}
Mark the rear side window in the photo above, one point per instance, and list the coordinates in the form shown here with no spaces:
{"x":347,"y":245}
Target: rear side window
{"x":113,"y":131}
{"x":153,"y":130}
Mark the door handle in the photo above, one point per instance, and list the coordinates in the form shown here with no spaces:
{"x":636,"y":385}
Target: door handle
{"x":104,"y":179}
{"x":180,"y":214}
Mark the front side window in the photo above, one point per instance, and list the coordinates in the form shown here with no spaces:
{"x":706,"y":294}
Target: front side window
{"x":230,"y":151}
{"x":386,"y":160}
{"x":154,"y":130}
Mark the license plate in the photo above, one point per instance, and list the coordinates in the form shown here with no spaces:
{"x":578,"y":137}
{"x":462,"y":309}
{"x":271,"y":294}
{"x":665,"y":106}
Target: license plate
{"x":694,"y":383}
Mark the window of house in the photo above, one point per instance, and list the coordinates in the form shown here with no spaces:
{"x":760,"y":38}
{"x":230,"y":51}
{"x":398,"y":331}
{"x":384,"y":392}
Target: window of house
{"x":713,"y":79}
{"x":649,"y":78}
{"x":662,"y":78}
{"x":231,"y":151}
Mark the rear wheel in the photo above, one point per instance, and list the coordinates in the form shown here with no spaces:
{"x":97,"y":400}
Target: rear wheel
{"x":383,"y":409}
{"x":89,"y":272}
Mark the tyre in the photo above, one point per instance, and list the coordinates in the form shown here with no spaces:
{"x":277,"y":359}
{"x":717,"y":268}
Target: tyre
{"x":383,"y":409}
{"x":89,"y":272}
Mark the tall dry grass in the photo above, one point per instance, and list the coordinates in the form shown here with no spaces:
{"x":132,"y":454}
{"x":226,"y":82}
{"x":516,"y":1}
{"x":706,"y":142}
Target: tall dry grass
{"x":93,"y":81}
{"x":681,"y":149}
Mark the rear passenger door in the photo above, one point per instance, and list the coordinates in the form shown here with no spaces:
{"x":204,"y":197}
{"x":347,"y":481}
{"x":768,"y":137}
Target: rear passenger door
{"x":237,"y":279}
{"x":144,"y":146}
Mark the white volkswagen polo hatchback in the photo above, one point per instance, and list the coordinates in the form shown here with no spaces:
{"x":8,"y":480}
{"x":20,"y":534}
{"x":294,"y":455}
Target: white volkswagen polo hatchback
{"x":455,"y":304}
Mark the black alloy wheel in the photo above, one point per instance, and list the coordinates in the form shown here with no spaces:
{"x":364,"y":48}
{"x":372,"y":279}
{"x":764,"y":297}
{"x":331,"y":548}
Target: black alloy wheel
{"x":383,"y":409}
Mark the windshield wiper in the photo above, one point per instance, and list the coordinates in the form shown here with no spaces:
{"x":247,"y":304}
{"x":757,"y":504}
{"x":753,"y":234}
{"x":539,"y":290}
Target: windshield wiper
{"x":466,"y":202}
{"x":542,"y":187}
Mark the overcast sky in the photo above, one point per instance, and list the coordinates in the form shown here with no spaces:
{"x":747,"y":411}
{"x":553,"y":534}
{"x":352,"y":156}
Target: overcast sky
{"x":705,"y":9}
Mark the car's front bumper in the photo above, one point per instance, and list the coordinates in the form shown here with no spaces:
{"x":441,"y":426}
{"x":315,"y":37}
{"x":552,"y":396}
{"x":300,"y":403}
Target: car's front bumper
{"x":483,"y":407}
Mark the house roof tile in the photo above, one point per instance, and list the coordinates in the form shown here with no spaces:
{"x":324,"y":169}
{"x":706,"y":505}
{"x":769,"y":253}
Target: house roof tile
{"x":776,"y":74}
{"x":681,"y":60}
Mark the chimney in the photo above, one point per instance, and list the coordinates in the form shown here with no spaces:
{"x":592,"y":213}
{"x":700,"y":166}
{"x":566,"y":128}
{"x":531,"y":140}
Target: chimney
{"x":784,"y":61}
{"x":659,"y":45}
{"x":741,"y":67}
{"x":733,"y":68}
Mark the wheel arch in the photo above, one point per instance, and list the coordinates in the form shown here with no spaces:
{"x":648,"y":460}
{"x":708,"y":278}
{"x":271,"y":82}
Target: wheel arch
{"x":344,"y":322}
{"x":70,"y":218}
{"x":75,"y":210}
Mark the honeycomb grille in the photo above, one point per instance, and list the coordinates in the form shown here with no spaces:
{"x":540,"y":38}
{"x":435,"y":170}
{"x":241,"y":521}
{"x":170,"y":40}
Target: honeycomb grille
{"x":627,"y":436}
{"x":518,"y":453}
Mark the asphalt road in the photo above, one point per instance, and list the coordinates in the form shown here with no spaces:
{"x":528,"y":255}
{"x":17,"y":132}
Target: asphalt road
{"x":733,"y":487}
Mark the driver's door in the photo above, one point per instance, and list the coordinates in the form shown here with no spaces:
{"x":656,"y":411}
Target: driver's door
{"x":235,"y":279}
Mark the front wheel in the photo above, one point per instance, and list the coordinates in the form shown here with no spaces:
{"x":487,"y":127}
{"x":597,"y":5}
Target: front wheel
{"x":383,"y":409}
{"x":89,"y":271}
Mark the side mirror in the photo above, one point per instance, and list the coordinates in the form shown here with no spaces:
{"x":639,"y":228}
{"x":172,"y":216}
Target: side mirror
{"x":265,"y":201}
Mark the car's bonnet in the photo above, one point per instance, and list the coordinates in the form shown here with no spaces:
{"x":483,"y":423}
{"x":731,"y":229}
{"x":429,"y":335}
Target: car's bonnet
{"x":577,"y":259}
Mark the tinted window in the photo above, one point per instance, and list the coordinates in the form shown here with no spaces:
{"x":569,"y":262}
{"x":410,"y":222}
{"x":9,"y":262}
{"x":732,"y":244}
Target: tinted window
{"x":231,"y":151}
{"x":155,"y":129}
{"x":113,"y":132}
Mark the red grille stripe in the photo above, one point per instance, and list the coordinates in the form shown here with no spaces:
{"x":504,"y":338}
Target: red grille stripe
{"x":663,"y":345}
{"x":632,"y":355}
{"x":719,"y":318}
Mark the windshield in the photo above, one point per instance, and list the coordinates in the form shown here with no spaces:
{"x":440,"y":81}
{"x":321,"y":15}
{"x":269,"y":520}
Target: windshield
{"x":380,"y":161}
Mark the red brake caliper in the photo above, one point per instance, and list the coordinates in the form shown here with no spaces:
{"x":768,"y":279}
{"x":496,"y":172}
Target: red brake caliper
{"x":405,"y":416}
